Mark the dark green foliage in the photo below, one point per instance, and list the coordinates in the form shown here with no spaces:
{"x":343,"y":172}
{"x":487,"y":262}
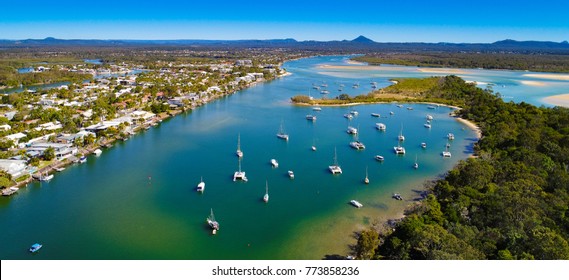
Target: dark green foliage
{"x":511,"y":202}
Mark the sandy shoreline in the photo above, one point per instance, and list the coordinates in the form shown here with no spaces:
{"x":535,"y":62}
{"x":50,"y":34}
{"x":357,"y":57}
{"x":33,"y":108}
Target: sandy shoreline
{"x":472,"y":126}
{"x":560,"y":77}
{"x":561,"y":100}
{"x":533,"y":83}
{"x":442,"y":70}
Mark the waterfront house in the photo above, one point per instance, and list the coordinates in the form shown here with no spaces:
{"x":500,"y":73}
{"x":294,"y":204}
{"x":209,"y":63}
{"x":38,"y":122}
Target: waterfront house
{"x":62,"y":150}
{"x":14,"y":167}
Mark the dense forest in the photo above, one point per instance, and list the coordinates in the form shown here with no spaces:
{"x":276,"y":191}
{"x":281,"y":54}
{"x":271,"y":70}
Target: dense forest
{"x":513,"y":61}
{"x":511,"y":201}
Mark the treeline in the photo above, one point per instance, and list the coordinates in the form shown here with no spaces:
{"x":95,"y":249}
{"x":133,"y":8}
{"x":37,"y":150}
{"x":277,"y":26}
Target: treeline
{"x":11,"y":78}
{"x":514,"y":61}
{"x":510,"y":202}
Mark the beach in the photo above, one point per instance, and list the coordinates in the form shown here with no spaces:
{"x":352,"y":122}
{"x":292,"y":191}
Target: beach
{"x":560,"y":77}
{"x":558,"y":100}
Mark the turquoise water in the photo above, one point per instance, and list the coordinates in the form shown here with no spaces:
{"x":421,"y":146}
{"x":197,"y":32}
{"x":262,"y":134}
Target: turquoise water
{"x":138,"y":199}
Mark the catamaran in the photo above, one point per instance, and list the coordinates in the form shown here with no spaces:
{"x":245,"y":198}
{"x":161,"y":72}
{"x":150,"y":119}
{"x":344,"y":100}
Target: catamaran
{"x":380,"y":126}
{"x":282,"y":134}
{"x":399,"y":150}
{"x":266,"y":196}
{"x":450,"y":136}
{"x":446,"y":153}
{"x":201,"y":186}
{"x":213,"y":224}
{"x":357,"y":144}
{"x":239,"y":175}
{"x":239,"y":152}
{"x":352,"y":130}
{"x":335,"y":168}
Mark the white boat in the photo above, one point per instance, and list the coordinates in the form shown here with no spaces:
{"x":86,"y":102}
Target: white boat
{"x":356,"y":85}
{"x":213,"y":224}
{"x":401,"y":137}
{"x":431,"y":107}
{"x":83,"y":159}
{"x":379,"y":158}
{"x":97,"y":152}
{"x":391,"y":113}
{"x":399,"y":150}
{"x":324,"y":92}
{"x":201,"y":186}
{"x":424,"y":145}
{"x":335,"y":168}
{"x":310,"y":117}
{"x":366,"y":179}
{"x":356,"y":204}
{"x":9,"y":191}
{"x":380,"y":126}
{"x":239,"y":153}
{"x":400,"y":106}
{"x":239,"y":175}
{"x":409,"y":108}
{"x":45,"y":178}
{"x":429,"y":117}
{"x":357,"y":145}
{"x":291,"y":174}
{"x":316,"y":109}
{"x":59,"y":169}
{"x":313,"y":148}
{"x":397,"y":196}
{"x":352,"y":130}
{"x":266,"y":196}
{"x":274,"y":163}
{"x":281,"y":134}
{"x":446,"y":154}
{"x":450,"y":136}
{"x":375,"y":115}
{"x":427,"y":125}
{"x":416,"y":165}
{"x":354,"y":113}
{"x":348,"y":116}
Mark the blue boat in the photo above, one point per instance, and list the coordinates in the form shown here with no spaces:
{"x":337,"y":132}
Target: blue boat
{"x":35,"y":247}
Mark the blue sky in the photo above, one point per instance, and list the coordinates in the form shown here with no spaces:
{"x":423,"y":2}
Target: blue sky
{"x":382,"y":21}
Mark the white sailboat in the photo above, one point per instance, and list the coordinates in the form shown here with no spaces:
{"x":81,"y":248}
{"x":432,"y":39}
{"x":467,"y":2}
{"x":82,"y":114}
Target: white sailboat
{"x":281,"y":134}
{"x":399,"y":150}
{"x":239,"y":175}
{"x":357,"y":144}
{"x":446,"y":152}
{"x":416,"y":165}
{"x":239,"y":152}
{"x":201,"y":186}
{"x":213,"y":224}
{"x":401,"y":137}
{"x":366,"y":180}
{"x":266,"y":196}
{"x":335,"y":168}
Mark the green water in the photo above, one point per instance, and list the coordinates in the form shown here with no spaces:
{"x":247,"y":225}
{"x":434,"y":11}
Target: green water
{"x":138,"y":199}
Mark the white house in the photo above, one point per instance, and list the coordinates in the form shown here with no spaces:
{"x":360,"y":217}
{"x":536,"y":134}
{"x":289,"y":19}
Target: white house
{"x":16,"y":168}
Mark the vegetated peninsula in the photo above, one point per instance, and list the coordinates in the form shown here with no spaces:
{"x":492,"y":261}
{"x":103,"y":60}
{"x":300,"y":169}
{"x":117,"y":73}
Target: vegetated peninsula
{"x":509,"y":202}
{"x":430,"y":90}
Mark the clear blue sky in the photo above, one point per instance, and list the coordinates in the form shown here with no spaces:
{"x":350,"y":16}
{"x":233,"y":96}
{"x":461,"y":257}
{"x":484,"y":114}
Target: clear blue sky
{"x":380,"y":20}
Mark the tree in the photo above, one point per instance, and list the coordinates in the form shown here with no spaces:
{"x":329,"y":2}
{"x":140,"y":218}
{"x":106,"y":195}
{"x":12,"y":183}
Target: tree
{"x":49,"y":154}
{"x":367,"y":244}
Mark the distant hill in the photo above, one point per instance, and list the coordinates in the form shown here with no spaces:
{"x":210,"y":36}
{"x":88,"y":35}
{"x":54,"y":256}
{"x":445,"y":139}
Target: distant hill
{"x":361,"y":43}
{"x":362,"y":39}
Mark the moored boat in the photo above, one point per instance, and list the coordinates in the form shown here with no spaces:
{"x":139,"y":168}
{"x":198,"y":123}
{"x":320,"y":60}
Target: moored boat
{"x":291,"y":174}
{"x":201,"y":186}
{"x":274,"y":163}
{"x":335,"y":168}
{"x":35,"y":247}
{"x":352,"y":130}
{"x":380,"y":126}
{"x":375,"y":115}
{"x":379,"y":158}
{"x":213,"y":224}
{"x":356,"y":204}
